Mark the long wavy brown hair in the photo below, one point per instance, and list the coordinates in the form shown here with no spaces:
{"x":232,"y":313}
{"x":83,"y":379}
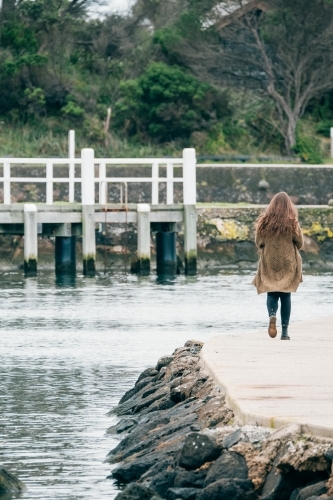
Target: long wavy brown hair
{"x":280,"y":217}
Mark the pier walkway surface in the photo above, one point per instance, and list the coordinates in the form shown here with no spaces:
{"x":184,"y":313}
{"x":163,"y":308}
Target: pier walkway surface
{"x":272,"y":382}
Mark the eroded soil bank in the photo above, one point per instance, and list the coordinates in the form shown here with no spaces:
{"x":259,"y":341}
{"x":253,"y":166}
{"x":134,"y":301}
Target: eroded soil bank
{"x":181,"y":441}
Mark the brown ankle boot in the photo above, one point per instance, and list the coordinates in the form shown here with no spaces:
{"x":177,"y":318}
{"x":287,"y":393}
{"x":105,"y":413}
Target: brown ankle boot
{"x":272,"y":331}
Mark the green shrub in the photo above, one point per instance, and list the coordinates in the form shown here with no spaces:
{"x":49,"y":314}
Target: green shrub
{"x":308,"y":148}
{"x":72,"y":109}
{"x":166,"y":103}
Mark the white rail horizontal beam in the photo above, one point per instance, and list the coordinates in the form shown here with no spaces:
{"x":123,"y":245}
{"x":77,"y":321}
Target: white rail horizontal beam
{"x":40,"y":161}
{"x":262,"y":165}
{"x":108,"y":161}
{"x":113,"y":180}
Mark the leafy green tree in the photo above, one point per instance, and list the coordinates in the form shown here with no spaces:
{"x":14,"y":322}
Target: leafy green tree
{"x":166,"y":103}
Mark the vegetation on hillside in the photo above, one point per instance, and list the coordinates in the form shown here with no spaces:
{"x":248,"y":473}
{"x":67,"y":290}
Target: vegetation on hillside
{"x":224,"y":78}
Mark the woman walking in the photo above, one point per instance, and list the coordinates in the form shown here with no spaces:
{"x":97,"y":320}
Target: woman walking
{"x":279,"y":239}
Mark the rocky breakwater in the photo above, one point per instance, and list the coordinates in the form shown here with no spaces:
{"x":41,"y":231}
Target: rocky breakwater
{"x":10,"y":486}
{"x":182,"y":441}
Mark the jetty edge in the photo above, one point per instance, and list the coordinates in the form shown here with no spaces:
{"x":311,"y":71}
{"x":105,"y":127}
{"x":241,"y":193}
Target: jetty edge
{"x":181,"y":440}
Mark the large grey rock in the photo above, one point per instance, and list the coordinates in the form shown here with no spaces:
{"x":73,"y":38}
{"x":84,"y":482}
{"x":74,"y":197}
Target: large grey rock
{"x":316,"y":489}
{"x":182,"y":493}
{"x":160,"y":466}
{"x":144,"y":379}
{"x":279,"y":486}
{"x":229,"y":465}
{"x":164,"y":361}
{"x":228,"y":489}
{"x":162,"y":482}
{"x":136,"y":491}
{"x":149,"y":372}
{"x":194,"y":344}
{"x":132,"y":471}
{"x":233,"y":438}
{"x":138,"y":434}
{"x":328,"y":455}
{"x":125,"y":424}
{"x":197,"y":450}
{"x":320,"y":498}
{"x":190,"y":478}
{"x":9,"y":484}
{"x":285,"y":433}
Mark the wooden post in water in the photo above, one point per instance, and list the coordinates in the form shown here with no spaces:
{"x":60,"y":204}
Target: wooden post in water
{"x":65,"y":250}
{"x":190,"y":211}
{"x":88,"y":212}
{"x":30,"y":240}
{"x":143,"y":259}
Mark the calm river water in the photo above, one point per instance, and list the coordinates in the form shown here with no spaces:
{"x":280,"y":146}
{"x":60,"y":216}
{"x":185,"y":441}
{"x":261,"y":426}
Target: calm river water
{"x":69,"y":350}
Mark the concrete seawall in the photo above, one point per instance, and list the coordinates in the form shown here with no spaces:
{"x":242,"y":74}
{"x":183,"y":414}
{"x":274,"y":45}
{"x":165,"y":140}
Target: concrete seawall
{"x":272,"y":383}
{"x":225,"y":239}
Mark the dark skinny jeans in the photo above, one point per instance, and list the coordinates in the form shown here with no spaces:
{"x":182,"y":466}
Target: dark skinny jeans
{"x":273,"y":303}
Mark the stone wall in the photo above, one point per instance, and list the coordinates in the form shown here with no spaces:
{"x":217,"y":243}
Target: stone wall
{"x":306,"y":185}
{"x":215,"y":184}
{"x":226,"y":236}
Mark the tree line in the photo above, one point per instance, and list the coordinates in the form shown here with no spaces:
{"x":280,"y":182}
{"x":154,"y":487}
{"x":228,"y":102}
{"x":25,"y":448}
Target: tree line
{"x":219,"y":76}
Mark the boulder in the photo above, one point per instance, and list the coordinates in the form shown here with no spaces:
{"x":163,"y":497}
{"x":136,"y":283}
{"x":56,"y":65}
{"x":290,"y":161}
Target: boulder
{"x":9,"y":484}
{"x":160,"y":466}
{"x":162,"y":482}
{"x":229,"y":465}
{"x":125,"y":424}
{"x":228,"y":489}
{"x":190,"y":478}
{"x":233,"y":438}
{"x":164,"y":361}
{"x":280,"y":486}
{"x":132,"y":471}
{"x":136,"y":491}
{"x":320,"y":498}
{"x":284,"y":433}
{"x":196,"y":344}
{"x":182,"y":493}
{"x":316,"y":489}
{"x":328,"y":455}
{"x":149,"y":372}
{"x":197,"y":450}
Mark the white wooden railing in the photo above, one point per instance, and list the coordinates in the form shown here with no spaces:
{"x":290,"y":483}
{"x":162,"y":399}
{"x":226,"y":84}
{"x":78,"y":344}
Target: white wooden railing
{"x":87,"y":162}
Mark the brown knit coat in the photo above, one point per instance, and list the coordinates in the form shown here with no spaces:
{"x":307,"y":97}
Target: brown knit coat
{"x":280,"y":264}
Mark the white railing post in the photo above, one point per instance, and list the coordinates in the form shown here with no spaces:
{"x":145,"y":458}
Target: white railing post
{"x":71,"y":156}
{"x":49,"y":183}
{"x":331,"y":142}
{"x":189,"y":177}
{"x":88,"y":176}
{"x":30,"y":239}
{"x":88,"y":211}
{"x":103,"y":186}
{"x":6,"y":183}
{"x":169,"y":197}
{"x":154,"y":184}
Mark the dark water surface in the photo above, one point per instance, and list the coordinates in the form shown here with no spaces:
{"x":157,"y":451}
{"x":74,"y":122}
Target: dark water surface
{"x":69,"y":350}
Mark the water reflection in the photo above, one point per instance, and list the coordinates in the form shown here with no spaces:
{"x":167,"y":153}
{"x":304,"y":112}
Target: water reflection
{"x":65,"y":280}
{"x":71,"y":347}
